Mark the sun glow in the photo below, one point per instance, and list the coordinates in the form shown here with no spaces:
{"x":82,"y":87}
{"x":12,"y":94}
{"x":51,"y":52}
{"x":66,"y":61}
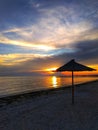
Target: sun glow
{"x":51,"y":69}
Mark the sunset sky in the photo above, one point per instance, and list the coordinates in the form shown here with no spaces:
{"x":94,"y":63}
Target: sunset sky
{"x":36,"y":35}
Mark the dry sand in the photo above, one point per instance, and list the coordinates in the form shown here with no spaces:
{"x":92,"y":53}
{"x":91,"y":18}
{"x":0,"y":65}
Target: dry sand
{"x":54,"y":111}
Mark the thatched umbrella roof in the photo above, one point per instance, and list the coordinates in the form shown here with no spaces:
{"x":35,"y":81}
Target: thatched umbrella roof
{"x":74,"y":66}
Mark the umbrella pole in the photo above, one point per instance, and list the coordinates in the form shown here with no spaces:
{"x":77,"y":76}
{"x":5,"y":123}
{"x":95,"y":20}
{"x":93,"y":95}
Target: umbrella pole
{"x":72,"y":88}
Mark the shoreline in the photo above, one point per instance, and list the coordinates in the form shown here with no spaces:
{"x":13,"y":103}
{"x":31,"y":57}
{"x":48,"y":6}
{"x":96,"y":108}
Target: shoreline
{"x":28,"y":95}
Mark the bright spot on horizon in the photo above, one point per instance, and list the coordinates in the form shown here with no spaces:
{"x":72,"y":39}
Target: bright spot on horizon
{"x":51,"y":69}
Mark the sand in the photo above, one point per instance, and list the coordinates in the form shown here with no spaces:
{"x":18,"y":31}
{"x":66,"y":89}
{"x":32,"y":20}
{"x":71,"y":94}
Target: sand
{"x":53,"y":110}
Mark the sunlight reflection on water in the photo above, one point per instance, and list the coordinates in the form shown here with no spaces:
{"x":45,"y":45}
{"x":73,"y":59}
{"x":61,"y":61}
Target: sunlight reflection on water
{"x":54,"y":81}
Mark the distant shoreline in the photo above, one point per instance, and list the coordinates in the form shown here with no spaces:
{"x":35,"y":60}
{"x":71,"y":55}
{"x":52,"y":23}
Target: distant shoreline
{"x":91,"y":75}
{"x":23,"y":96}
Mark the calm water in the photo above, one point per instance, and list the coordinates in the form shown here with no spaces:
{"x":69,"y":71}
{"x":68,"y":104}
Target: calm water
{"x":16,"y":85}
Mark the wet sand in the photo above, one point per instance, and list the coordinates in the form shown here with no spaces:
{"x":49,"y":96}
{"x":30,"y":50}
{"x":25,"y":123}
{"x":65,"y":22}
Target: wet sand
{"x":52,"y":110}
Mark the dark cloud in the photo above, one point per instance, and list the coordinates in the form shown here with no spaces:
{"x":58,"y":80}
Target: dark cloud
{"x":87,"y":52}
{"x":8,"y":70}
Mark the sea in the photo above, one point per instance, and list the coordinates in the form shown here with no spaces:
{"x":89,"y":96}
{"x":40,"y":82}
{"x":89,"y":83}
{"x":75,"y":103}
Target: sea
{"x":24,"y":84}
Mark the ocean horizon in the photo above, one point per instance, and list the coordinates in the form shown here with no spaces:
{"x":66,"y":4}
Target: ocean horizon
{"x":13,"y":85}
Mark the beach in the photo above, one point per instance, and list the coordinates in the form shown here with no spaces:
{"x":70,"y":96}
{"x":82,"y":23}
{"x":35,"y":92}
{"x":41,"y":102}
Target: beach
{"x":52,"y":109}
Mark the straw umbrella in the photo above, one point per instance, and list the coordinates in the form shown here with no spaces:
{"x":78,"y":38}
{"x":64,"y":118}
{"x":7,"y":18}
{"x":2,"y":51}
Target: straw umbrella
{"x":73,"y":66}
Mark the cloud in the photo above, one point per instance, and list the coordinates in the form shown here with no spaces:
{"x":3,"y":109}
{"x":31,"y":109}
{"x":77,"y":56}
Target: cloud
{"x":17,"y":59}
{"x":87,"y":53}
{"x":39,"y":34}
{"x":23,"y":43}
{"x":57,"y":28}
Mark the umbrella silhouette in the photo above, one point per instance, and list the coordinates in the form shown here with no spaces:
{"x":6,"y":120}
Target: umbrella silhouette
{"x":73,"y":66}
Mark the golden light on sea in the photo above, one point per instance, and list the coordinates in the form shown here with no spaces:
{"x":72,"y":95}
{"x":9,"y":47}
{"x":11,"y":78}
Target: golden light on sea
{"x":54,"y":81}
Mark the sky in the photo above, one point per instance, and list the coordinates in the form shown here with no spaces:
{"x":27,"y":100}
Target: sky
{"x":36,"y":35}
